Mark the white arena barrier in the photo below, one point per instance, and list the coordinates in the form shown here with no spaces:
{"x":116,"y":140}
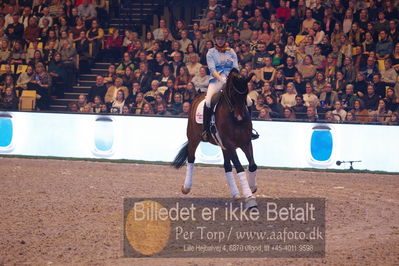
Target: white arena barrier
{"x":282,"y":144}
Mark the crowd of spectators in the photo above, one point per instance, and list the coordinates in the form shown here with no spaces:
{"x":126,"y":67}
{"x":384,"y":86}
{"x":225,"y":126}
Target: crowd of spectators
{"x":43,"y":45}
{"x":313,"y":60}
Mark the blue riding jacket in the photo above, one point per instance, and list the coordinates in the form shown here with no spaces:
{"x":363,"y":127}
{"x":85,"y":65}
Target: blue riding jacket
{"x":223,"y":63}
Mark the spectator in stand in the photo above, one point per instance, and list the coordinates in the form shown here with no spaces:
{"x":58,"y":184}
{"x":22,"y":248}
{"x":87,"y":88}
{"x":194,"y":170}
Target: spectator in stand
{"x":339,"y":114}
{"x":384,"y":46}
{"x":5,"y":52}
{"x":78,"y":28}
{"x":309,"y":98}
{"x":328,"y":98}
{"x":201,"y":81}
{"x":177,"y":105}
{"x":391,"y":100}
{"x":360,"y":113}
{"x":308,"y":22}
{"x":209,"y":19}
{"x":311,"y":114}
{"x":8,"y":100}
{"x":46,"y":16}
{"x":113,"y":44}
{"x":389,"y":75}
{"x":371,"y":99}
{"x":97,"y":89}
{"x":32,"y":31}
{"x":145,"y":77}
{"x":268,"y":72}
{"x":15,"y":30}
{"x":185,"y":109}
{"x":95,"y":35}
{"x":293,"y":24}
{"x":158,"y":33}
{"x":58,"y":75}
{"x":184,"y":41}
{"x":18,"y":54}
{"x":128,"y":77}
{"x":276,"y":109}
{"x":379,"y":86}
{"x":163,"y":79}
{"x":87,"y":12}
{"x":299,"y":108}
{"x":307,"y":69}
{"x":283,"y":13}
{"x":288,"y":99}
{"x":126,"y":62}
{"x":264,"y":114}
{"x":189,"y":93}
{"x":68,"y":57}
{"x":193,"y":66}
{"x":259,"y":59}
{"x":348,"y":98}
{"x":117,"y":104}
{"x":199,"y":42}
{"x":213,"y":6}
{"x":112,"y":91}
{"x":370,"y":69}
{"x":288,"y":114}
{"x":41,"y":82}
{"x":24,"y":78}
{"x":161,"y":110}
{"x":382,"y":114}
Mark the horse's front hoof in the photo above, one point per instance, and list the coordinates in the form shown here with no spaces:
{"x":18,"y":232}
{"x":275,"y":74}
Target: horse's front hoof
{"x":184,"y":190}
{"x":250,"y":203}
{"x":254,"y":189}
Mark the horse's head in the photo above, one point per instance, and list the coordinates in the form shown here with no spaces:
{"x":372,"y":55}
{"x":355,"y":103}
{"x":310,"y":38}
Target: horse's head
{"x":238,"y":83}
{"x":236,"y":93}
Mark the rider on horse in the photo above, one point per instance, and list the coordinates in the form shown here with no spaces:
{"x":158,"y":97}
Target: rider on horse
{"x":221,"y":60}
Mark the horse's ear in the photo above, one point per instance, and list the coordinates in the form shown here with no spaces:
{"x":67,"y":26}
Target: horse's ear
{"x":250,"y":77}
{"x":234,"y":70}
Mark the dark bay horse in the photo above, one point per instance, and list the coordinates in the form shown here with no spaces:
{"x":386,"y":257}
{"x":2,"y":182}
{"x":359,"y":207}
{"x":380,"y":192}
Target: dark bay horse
{"x":234,"y":126}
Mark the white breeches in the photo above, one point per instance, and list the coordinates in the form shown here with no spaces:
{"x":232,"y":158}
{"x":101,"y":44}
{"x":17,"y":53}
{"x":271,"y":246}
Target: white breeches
{"x":215,"y":87}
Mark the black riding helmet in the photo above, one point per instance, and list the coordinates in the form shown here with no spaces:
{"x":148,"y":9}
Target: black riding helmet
{"x":220,"y":32}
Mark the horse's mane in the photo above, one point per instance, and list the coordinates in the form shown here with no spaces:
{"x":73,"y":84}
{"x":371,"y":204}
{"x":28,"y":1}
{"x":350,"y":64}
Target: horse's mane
{"x":233,"y":73}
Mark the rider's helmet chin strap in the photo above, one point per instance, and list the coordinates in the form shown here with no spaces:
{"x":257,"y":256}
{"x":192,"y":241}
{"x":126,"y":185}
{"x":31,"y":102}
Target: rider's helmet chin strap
{"x":223,"y":48}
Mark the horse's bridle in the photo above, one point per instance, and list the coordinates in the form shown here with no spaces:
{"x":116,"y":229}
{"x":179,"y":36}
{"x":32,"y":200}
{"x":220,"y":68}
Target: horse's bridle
{"x":227,"y":95}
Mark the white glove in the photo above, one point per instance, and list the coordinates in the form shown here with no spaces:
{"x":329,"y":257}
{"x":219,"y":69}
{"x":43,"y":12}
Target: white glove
{"x":223,"y":79}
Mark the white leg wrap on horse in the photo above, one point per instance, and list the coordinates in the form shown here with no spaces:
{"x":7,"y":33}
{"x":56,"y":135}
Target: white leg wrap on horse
{"x":232,"y":184}
{"x":252,"y":179}
{"x":246,"y":191}
{"x":188,"y":182}
{"x":249,"y":101}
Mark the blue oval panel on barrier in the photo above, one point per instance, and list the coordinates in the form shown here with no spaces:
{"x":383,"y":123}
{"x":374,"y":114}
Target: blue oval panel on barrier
{"x":6,"y":132}
{"x":321,"y":144}
{"x":104,"y":134}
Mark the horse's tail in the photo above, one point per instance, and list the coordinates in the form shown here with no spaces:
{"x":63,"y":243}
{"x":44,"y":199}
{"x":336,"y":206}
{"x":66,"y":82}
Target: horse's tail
{"x":181,"y":157}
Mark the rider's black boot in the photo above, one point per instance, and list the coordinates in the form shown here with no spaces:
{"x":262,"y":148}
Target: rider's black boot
{"x":206,"y":131}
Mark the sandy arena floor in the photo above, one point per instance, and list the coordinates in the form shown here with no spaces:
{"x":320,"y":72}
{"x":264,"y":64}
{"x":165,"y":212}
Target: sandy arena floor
{"x":70,"y":212}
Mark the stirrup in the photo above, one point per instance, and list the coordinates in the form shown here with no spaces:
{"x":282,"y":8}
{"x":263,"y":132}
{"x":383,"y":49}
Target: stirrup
{"x":254,"y":134}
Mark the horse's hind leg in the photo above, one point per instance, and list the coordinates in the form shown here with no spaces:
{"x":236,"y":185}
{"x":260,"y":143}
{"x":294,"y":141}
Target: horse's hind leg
{"x":229,"y":176}
{"x":188,"y":181}
{"x":251,"y":167}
